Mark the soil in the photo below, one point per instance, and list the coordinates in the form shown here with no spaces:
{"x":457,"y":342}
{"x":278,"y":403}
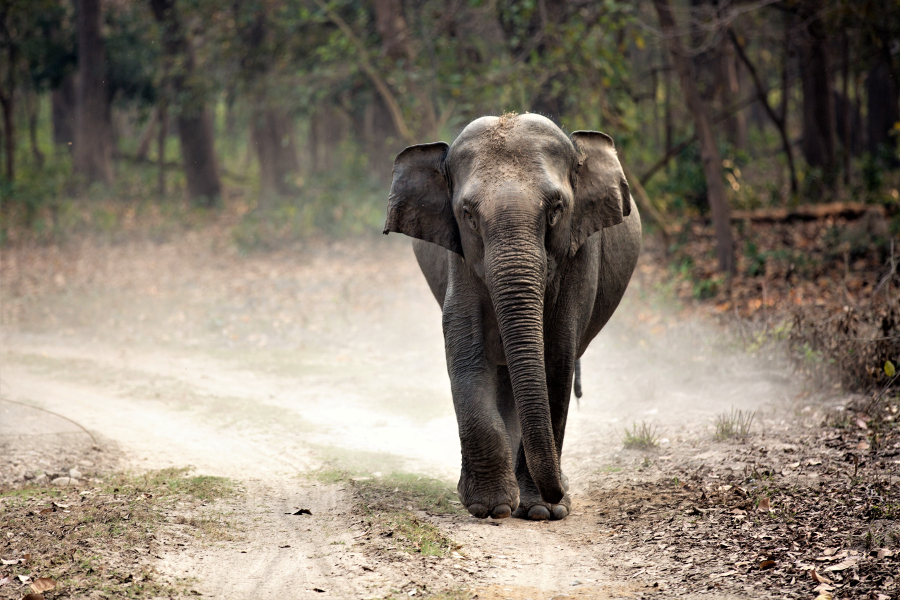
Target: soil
{"x":267,"y":369}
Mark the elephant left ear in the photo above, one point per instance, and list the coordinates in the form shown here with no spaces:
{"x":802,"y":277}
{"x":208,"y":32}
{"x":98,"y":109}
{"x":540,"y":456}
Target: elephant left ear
{"x":602,"y":198}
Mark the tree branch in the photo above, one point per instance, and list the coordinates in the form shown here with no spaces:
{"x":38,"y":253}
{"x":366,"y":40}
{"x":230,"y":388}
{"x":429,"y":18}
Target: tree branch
{"x":384,"y":91}
{"x":764,"y":100}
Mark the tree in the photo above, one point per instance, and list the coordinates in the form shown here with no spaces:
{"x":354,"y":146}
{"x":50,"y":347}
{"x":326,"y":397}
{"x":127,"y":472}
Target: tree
{"x":93,"y":143}
{"x":819,"y":136}
{"x":709,"y":152}
{"x":272,"y":131}
{"x":194,"y":120}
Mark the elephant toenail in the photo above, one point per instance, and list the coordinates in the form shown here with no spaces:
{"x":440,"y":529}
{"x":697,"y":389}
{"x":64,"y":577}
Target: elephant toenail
{"x":538,"y":513}
{"x":478,"y":510}
{"x":501,"y":511}
{"x":559,"y":512}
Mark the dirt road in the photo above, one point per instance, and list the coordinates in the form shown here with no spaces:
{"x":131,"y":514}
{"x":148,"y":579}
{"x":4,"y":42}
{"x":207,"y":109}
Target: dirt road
{"x":266,"y":368}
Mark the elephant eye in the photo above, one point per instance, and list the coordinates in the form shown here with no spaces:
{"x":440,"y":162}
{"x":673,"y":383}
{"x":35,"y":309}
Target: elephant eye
{"x":555,"y":213}
{"x":470,"y":219}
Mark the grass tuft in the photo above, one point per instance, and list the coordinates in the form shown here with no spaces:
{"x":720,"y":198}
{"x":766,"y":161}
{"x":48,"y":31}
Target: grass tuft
{"x":734,"y":425}
{"x":641,"y":436}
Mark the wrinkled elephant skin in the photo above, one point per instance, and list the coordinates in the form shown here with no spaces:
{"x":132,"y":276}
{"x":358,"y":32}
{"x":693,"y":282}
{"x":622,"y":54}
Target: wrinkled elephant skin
{"x":528,"y":239}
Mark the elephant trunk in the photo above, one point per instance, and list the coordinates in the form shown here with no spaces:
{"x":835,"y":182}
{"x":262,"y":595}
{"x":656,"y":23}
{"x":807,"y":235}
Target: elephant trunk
{"x":516,"y":280}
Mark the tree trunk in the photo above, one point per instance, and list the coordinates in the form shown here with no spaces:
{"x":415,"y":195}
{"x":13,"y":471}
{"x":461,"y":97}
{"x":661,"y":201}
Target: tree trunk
{"x":272,"y":132}
{"x":8,"y":102}
{"x":162,"y":134}
{"x":881,"y":90}
{"x":818,"y":101}
{"x":396,"y":45}
{"x":62,"y":100}
{"x":92,"y":147}
{"x":33,"y":104}
{"x":194,"y":120}
{"x":736,"y":122}
{"x":709,"y":152}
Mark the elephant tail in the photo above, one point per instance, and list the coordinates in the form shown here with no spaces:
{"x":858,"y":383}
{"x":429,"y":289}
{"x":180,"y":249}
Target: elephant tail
{"x":577,"y":384}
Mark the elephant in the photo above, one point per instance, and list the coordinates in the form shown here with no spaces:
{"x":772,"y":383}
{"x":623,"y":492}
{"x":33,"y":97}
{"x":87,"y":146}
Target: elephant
{"x":528,"y":239}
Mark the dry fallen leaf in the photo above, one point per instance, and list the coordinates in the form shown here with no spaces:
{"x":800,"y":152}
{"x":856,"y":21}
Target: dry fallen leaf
{"x":862,"y":446}
{"x":824,"y":596}
{"x":43,"y":584}
{"x":14,"y":561}
{"x":861,"y":424}
{"x":844,"y":564}
{"x":32,"y":597}
{"x":814,"y":575}
{"x":764,"y":504}
{"x":24,"y":578}
{"x":829,"y":551}
{"x":4,"y":581}
{"x":766,"y":564}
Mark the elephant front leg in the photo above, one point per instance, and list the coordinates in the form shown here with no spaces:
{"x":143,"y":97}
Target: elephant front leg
{"x":531,"y":505}
{"x":487,"y":483}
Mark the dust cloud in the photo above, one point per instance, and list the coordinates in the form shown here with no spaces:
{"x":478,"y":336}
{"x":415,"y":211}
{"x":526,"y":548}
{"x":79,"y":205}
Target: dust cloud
{"x":186,"y":352}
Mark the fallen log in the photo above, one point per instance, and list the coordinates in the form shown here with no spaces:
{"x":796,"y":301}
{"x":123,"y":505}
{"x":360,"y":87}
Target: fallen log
{"x":808,"y":212}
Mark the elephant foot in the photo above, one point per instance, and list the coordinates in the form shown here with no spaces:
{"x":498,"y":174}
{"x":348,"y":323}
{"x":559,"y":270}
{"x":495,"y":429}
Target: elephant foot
{"x":497,"y":501}
{"x":533,"y":507}
{"x":538,"y":510}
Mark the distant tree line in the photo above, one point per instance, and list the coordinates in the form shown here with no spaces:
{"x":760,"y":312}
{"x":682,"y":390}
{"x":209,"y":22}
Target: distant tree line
{"x":294,"y":80}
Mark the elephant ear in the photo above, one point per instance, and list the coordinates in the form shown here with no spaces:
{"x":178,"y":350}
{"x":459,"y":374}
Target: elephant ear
{"x":419,"y":204}
{"x":601,"y":191}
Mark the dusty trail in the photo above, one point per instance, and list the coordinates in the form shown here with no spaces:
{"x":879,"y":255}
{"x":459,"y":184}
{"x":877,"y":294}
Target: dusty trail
{"x":267,"y":367}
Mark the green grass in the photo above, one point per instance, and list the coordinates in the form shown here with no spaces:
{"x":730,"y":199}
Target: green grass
{"x":641,"y":436}
{"x":389,"y":504}
{"x":734,"y":425}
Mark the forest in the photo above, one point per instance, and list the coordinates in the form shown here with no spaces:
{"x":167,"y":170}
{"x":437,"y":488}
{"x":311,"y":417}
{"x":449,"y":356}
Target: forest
{"x":732,"y":119}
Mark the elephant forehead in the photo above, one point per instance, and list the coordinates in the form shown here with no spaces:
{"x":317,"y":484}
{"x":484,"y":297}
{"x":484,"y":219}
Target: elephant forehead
{"x":494,"y":151}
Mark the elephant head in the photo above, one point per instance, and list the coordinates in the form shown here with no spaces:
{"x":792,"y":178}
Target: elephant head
{"x":517,"y":199}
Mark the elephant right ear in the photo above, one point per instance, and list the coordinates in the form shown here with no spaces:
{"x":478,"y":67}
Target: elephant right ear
{"x":419,"y":204}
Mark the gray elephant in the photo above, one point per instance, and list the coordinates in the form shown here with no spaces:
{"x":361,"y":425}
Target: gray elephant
{"x":527,"y":239}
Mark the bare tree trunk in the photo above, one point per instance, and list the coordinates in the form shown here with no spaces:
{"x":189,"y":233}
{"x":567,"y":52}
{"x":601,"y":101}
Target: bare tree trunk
{"x":818,"y":102}
{"x":882,"y":93}
{"x":736,"y":123}
{"x":195,"y":126}
{"x":33,"y":105}
{"x":709,"y":153}
{"x":395,"y":41}
{"x":845,"y":107}
{"x":92,"y":147}
{"x":62,"y":100}
{"x":147,"y":136}
{"x":162,"y":134}
{"x":271,"y":128}
{"x":272,"y":132}
{"x":8,"y":102}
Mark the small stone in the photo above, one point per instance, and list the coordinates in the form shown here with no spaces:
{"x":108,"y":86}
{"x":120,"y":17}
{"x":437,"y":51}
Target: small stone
{"x":74,"y":473}
{"x":41,"y":479}
{"x":28,"y":475}
{"x":576,"y":582}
